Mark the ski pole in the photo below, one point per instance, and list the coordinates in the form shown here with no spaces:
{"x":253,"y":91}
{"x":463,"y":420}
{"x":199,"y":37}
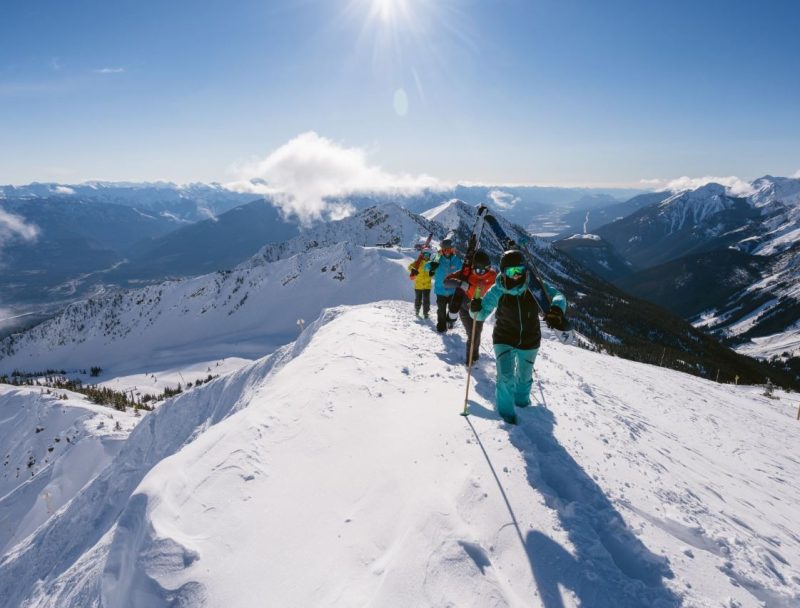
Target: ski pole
{"x":469,"y":358}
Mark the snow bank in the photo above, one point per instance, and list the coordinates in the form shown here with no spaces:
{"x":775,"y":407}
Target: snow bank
{"x":51,"y":448}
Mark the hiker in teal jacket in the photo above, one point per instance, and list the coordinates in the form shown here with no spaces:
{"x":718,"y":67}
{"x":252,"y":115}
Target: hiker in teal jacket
{"x":445,"y":263}
{"x":517,"y":335}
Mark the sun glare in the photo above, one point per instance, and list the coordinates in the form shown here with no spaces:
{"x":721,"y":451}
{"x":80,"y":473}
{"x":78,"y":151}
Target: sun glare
{"x":408,"y":44}
{"x":389,"y":11}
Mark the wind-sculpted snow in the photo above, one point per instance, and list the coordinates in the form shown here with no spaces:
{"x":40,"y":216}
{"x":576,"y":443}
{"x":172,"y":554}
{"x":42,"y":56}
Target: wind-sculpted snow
{"x":53,"y":443}
{"x":92,"y":552}
{"x":337,"y":472}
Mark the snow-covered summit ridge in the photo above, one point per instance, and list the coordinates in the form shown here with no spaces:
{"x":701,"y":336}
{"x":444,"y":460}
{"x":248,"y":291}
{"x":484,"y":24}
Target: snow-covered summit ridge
{"x":383,"y":225}
{"x":770,"y":189}
{"x":776,"y":200}
{"x":342,"y":463}
{"x":694,"y":206}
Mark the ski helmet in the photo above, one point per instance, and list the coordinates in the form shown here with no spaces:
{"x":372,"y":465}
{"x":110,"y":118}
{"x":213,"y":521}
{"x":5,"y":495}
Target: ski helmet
{"x":426,"y":253}
{"x":446,"y":244}
{"x":512,"y":257}
{"x":481,"y":259}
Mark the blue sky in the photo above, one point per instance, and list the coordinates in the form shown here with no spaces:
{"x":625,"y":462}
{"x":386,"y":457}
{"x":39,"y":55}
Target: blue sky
{"x":501,"y":91}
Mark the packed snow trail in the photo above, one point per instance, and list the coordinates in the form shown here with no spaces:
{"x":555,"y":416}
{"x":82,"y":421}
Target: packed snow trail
{"x":338,"y":472}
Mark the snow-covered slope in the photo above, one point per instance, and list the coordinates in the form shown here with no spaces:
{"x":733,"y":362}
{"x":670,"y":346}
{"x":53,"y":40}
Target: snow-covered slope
{"x":779,"y":197}
{"x":337,"y":472}
{"x":595,"y":254}
{"x":764,"y":221}
{"x":246,"y":312}
{"x":385,"y":225}
{"x":670,"y":238}
{"x":688,"y":222}
{"x":51,"y":448}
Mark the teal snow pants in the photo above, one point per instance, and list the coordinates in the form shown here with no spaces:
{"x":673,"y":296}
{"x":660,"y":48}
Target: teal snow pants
{"x":514,"y":377}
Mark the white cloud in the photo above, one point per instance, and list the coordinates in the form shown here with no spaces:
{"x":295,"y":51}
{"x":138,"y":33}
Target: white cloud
{"x":207,"y":213}
{"x":735,"y":186}
{"x":13,"y":225}
{"x":109,"y":71}
{"x":503,"y":200}
{"x":303,"y":175}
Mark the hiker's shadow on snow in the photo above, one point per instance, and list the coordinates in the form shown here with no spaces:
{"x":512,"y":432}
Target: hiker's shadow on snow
{"x":454,"y":347}
{"x":484,"y":384}
{"x":609,"y":567}
{"x":477,"y":410}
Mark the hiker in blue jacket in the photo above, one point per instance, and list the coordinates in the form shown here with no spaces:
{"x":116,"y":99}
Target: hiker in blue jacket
{"x":444,"y":263}
{"x":517,"y":334}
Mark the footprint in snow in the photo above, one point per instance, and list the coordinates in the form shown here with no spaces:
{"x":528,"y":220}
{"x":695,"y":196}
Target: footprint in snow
{"x":476,"y":554}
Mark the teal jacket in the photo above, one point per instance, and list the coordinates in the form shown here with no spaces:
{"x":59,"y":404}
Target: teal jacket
{"x":517,"y":318}
{"x":446,"y":266}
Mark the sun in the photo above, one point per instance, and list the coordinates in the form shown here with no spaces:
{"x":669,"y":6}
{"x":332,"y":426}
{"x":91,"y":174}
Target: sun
{"x":389,"y":11}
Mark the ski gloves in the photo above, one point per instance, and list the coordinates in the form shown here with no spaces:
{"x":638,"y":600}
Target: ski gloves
{"x":414,"y":272}
{"x":432,"y":267}
{"x":554,"y":318}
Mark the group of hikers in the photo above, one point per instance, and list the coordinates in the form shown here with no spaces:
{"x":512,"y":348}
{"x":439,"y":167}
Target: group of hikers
{"x":476,"y":290}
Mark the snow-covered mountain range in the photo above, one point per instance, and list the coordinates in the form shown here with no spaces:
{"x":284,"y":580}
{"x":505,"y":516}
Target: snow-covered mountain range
{"x":230,"y":308}
{"x":74,"y":239}
{"x":674,"y":241}
{"x":181,"y":203}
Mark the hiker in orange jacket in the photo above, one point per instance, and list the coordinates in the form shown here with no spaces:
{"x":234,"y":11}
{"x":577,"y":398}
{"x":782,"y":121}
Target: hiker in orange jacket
{"x":477,"y":278}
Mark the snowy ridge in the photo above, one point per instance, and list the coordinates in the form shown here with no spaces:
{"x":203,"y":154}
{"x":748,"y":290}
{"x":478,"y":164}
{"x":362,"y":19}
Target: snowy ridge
{"x":769,"y":189}
{"x":337,"y":472}
{"x":388,"y":225}
{"x":56,"y":551}
{"x":779,"y":197}
{"x":694,"y":206}
{"x":458,"y":218}
{"x":245,"y":312}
